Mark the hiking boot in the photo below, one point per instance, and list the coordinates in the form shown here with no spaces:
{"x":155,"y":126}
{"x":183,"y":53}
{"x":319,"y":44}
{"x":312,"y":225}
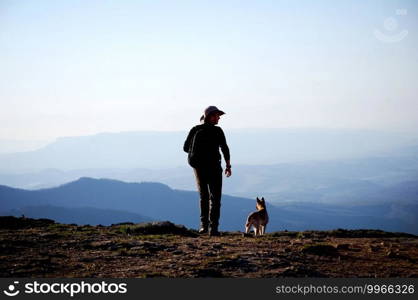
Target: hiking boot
{"x":203,"y":230}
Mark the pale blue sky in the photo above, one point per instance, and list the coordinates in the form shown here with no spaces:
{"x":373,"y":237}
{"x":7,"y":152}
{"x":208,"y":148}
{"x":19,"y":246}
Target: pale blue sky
{"x":81,"y":67}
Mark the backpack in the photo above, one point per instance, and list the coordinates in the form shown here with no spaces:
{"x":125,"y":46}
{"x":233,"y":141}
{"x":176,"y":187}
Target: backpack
{"x":198,"y":148}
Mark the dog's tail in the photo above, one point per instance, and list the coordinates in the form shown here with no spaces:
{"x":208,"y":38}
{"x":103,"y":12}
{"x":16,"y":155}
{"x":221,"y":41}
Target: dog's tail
{"x":249,"y":220}
{"x":248,"y":223}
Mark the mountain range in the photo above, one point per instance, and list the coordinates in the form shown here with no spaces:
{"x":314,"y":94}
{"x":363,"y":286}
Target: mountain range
{"x":120,"y":202}
{"x":371,"y":180}
{"x":311,"y":178}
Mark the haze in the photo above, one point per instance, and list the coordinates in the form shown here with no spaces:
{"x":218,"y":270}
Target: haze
{"x":71,"y":68}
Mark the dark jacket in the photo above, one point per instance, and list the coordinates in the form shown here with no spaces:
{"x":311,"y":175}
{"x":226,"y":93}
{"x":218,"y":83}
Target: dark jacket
{"x":215,"y":139}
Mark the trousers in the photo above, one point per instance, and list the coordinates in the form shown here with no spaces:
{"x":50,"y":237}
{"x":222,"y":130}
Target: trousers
{"x":209,"y":185}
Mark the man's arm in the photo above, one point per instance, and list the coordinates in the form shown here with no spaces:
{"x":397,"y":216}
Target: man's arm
{"x":224,"y":147}
{"x":225,"y":152}
{"x":228,"y":164}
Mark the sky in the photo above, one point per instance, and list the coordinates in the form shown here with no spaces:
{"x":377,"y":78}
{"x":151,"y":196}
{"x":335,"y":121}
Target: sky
{"x":72,"y":68}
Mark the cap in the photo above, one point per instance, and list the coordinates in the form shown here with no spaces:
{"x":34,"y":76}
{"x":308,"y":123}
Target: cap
{"x":210,"y":110}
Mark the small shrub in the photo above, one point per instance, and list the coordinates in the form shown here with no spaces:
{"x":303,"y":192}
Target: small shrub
{"x":155,"y":228}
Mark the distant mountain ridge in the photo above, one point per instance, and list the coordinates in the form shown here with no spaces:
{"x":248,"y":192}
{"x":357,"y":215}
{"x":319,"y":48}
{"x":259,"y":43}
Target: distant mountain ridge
{"x":165,"y":149}
{"x":159,"y":202}
{"x":153,"y":200}
{"x":371,"y":180}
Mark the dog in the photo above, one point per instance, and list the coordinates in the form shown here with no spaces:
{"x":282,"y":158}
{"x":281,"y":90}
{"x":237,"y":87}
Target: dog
{"x":258,"y":219}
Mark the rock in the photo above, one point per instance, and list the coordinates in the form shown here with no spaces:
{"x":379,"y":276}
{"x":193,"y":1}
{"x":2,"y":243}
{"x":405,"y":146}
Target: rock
{"x":320,"y":249}
{"x":217,"y":246}
{"x":373,"y":248}
{"x":343,"y":246}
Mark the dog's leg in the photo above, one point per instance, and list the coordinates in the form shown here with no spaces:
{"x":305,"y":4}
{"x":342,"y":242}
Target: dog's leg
{"x":247,"y":228}
{"x":263,"y":229}
{"x":256,"y":230}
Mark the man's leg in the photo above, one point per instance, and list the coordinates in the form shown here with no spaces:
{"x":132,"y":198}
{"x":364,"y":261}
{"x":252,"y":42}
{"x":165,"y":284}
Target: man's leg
{"x":215,"y":188}
{"x":203,"y":189}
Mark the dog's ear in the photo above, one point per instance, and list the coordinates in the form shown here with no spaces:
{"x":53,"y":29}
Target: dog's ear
{"x":262,"y":199}
{"x":258,"y":200}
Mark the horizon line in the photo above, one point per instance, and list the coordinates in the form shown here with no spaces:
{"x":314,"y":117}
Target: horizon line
{"x":226,"y":129}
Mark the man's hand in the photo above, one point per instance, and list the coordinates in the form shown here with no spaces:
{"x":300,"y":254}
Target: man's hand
{"x":228,"y":171}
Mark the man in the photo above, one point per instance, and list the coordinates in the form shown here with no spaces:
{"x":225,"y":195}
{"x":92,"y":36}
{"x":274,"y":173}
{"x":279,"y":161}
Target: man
{"x":202,"y":144}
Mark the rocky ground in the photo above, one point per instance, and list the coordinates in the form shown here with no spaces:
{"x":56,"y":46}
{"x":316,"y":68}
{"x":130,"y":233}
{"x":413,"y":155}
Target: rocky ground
{"x":43,"y":248}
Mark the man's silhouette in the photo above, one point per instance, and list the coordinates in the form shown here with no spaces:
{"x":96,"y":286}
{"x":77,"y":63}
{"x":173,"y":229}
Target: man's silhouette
{"x":202,"y":144}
